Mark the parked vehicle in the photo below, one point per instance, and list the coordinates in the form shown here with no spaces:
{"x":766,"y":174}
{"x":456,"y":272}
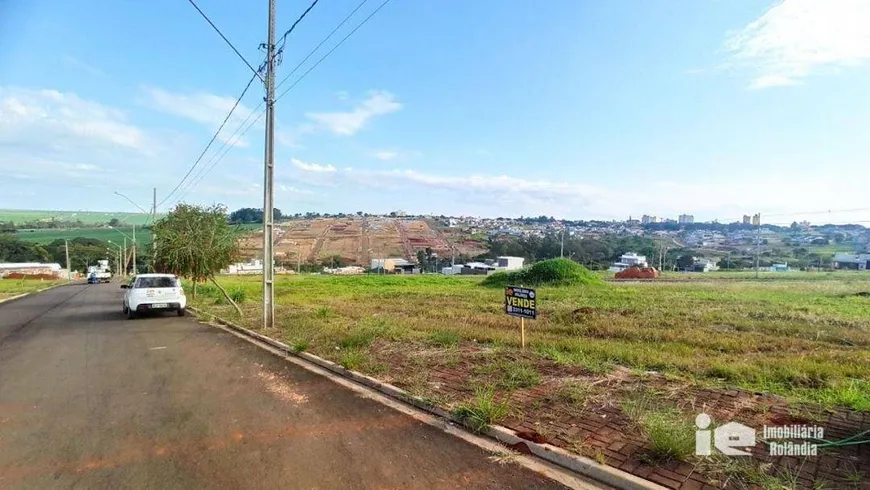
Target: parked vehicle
{"x":99,"y":272}
{"x":153,"y":292}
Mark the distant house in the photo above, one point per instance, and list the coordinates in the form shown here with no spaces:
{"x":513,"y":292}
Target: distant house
{"x":253,"y":267}
{"x":627,"y":260}
{"x":859,"y":262}
{"x":705,"y":265}
{"x":398,"y":266}
{"x":779,"y":268}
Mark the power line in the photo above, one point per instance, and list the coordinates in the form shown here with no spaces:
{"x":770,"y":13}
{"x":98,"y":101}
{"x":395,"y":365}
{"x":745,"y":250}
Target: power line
{"x":213,"y":138}
{"x":284,"y":37}
{"x":221,"y":34}
{"x":333,"y":49}
{"x":216,"y":158}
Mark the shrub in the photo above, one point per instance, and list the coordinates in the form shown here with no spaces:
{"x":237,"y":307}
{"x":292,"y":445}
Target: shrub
{"x":239,"y":296}
{"x":554,"y":272}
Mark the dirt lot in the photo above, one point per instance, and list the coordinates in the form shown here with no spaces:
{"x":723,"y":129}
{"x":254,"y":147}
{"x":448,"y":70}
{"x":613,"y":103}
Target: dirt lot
{"x":357,"y":240}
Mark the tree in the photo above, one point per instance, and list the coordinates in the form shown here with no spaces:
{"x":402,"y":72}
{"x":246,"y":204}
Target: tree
{"x":196,"y":242}
{"x":685,"y":262}
{"x":114,"y":222}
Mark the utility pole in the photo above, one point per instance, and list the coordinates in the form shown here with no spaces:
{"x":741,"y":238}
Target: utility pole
{"x":154,"y":206}
{"x":298,"y":258}
{"x":268,"y":183}
{"x":757,"y":244}
{"x":134,"y":250}
{"x":562,"y":245}
{"x":68,"y":267}
{"x":124,"y":266}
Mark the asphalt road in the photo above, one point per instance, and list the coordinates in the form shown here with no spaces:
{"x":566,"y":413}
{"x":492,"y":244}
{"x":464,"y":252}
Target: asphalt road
{"x":89,"y":399}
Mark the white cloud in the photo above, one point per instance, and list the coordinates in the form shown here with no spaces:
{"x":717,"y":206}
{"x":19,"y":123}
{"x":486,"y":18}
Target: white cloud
{"x":203,"y":108}
{"x":379,"y":103}
{"x":385,"y":155}
{"x":312,"y":167}
{"x":797,"y":38}
{"x":52,"y":119}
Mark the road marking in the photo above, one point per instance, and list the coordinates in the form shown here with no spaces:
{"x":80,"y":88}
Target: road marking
{"x":158,"y":348}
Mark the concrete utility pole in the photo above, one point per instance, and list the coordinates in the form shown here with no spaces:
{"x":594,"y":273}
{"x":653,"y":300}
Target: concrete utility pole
{"x":125,"y":257}
{"x":134,"y":250}
{"x":562,"y":245}
{"x":757,"y":244}
{"x":268,"y":183}
{"x":68,"y":268}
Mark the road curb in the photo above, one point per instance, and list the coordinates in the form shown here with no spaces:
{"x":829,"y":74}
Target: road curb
{"x":552,"y":454}
{"x":23,"y":295}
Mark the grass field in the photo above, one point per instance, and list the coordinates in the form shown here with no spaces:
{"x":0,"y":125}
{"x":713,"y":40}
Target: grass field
{"x":808,"y":340}
{"x":14,"y":287}
{"x":143,"y":237}
{"x":88,"y":217}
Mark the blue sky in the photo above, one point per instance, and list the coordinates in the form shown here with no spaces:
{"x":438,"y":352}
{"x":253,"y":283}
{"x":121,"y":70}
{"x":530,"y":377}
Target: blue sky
{"x":576,"y":109}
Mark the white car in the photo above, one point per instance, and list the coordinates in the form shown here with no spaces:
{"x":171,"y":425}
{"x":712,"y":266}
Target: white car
{"x":153,"y":292}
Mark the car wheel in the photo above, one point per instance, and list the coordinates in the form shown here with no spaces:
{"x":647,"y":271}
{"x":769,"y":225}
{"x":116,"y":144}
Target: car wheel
{"x":131,"y":314}
{"x":181,"y":311}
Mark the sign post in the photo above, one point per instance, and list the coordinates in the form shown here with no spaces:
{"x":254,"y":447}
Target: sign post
{"x":521,"y":302}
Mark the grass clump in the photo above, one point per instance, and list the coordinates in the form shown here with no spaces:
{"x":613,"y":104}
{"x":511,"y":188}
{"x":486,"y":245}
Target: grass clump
{"x":670,"y":433}
{"x":482,"y":410}
{"x":353,"y":358}
{"x":363,"y":336}
{"x":444,"y":338}
{"x":554,"y":272}
{"x":299,"y":345}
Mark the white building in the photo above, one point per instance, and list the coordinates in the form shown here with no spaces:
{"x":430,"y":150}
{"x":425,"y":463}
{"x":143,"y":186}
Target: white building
{"x":509,"y":263}
{"x":686,"y":219}
{"x":30,"y":268}
{"x":255,"y":266}
{"x":627,"y":260}
{"x":859,"y":262}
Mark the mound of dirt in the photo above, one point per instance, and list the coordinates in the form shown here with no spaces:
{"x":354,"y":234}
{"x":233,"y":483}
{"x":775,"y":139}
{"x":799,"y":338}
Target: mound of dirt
{"x":638,"y":273}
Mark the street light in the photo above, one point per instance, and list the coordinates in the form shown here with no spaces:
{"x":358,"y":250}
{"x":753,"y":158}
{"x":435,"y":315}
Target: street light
{"x":153,"y":210}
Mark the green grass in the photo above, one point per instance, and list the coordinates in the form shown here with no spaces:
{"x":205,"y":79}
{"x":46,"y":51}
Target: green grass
{"x":87,"y":217}
{"x":483,"y":410}
{"x":14,"y":287}
{"x":561,"y":272}
{"x":510,"y":375}
{"x":806,"y":337}
{"x":45,"y":236}
{"x":671,"y":434}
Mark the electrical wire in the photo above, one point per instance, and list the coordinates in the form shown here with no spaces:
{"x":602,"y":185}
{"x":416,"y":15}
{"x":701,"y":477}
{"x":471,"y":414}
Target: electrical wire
{"x":332,"y":50}
{"x":213,"y":138}
{"x":284,"y":37}
{"x":221,"y":34}
{"x":237,"y":135}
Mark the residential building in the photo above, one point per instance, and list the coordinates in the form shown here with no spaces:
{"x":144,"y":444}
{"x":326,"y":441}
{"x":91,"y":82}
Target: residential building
{"x":756,"y":219}
{"x":646,"y":219}
{"x":747,"y":219}
{"x":627,"y":260}
{"x":393,"y":265}
{"x":779,"y":267}
{"x":859,"y":262}
{"x":705,"y":265}
{"x":686,"y":219}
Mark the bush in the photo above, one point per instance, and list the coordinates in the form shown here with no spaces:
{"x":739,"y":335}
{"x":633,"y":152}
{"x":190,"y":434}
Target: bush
{"x":554,"y":272}
{"x":239,"y":296}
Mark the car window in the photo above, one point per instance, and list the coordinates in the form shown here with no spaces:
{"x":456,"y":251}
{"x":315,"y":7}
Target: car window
{"x":156,"y":282}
